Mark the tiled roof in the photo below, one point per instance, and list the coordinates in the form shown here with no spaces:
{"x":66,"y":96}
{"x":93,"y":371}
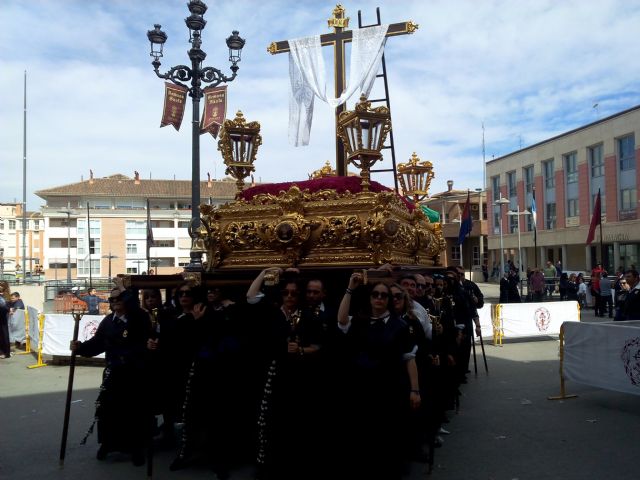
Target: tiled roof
{"x":122,"y":186}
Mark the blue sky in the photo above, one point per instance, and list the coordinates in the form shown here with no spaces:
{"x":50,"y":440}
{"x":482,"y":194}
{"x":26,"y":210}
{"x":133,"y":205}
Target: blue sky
{"x":529,"y":70}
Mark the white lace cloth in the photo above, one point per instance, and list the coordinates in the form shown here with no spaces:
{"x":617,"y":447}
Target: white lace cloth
{"x":308,"y":80}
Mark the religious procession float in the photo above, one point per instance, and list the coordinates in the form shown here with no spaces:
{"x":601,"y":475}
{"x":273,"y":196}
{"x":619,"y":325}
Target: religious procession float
{"x":331,"y":220}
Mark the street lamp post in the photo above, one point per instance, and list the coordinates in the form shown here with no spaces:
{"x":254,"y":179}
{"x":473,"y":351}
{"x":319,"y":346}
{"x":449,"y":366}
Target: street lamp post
{"x":197,"y":74}
{"x":68,"y":212}
{"x":518,"y":213}
{"x":110,"y":257}
{"x":499,"y":203}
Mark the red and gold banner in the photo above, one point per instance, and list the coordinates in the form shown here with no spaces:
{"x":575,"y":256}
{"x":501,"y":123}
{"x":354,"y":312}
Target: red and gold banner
{"x":175,"y":98}
{"x":215,"y":110}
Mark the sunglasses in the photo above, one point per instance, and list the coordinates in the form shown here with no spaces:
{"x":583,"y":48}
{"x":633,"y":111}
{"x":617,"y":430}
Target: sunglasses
{"x":381,"y":295}
{"x":289,"y":293}
{"x":185,"y":293}
{"x":398,"y":296}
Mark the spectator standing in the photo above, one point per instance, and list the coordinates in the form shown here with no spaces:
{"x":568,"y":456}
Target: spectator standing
{"x":5,"y":345}
{"x":606,"y":301}
{"x":537,"y":285}
{"x":92,"y":300}
{"x":550,"y":275}
{"x":596,"y":272}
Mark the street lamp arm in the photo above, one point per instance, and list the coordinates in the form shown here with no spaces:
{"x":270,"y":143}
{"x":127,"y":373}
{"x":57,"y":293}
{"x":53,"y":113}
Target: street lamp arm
{"x":216,"y":77}
{"x":182,"y":73}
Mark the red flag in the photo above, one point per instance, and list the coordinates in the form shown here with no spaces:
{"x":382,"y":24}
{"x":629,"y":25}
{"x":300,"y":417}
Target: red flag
{"x":596,"y":219}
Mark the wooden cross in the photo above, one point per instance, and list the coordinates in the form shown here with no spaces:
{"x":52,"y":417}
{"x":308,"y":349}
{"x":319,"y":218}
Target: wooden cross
{"x":339,"y":39}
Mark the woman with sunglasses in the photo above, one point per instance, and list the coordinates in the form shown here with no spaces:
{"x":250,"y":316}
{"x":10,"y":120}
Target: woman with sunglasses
{"x":290,"y":341}
{"x":122,"y":411}
{"x":382,"y":385}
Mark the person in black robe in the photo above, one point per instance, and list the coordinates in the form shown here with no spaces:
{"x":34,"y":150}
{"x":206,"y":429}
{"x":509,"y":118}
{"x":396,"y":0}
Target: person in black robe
{"x":380,"y":390}
{"x":122,"y":411}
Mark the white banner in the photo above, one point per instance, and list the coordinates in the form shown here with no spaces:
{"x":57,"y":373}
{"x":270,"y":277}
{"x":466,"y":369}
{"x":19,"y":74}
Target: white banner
{"x":34,"y":328}
{"x":533,"y":319}
{"x":58,"y":332}
{"x":603,"y":355}
{"x":485,"y":322}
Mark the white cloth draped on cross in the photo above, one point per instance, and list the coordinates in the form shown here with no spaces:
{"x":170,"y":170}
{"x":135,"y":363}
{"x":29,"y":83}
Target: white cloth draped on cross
{"x":308,"y":80}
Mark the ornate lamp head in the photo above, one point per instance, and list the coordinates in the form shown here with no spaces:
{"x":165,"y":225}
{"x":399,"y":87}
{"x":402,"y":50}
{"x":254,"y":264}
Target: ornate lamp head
{"x":157,"y":38}
{"x":195,"y":22}
{"x":239,"y":142}
{"x":363,"y":132}
{"x":415,"y":178}
{"x":235,"y":43}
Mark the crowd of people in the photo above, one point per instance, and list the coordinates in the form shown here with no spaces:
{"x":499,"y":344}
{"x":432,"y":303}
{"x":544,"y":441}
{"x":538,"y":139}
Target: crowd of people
{"x":302,"y":380}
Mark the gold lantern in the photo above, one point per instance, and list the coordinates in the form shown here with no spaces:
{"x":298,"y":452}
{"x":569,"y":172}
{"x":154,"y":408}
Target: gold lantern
{"x":415,"y":178}
{"x":239,"y":142}
{"x":363,"y":132}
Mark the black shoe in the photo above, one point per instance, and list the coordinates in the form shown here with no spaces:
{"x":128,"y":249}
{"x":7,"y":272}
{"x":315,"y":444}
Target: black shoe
{"x":102,"y":452}
{"x":137,"y":458}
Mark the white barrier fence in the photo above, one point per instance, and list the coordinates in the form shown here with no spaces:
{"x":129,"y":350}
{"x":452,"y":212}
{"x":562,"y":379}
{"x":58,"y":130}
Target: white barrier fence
{"x":58,"y":332}
{"x":533,"y":319}
{"x":603,"y":355}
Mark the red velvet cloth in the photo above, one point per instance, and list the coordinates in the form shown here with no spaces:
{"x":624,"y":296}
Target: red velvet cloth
{"x":339,"y":184}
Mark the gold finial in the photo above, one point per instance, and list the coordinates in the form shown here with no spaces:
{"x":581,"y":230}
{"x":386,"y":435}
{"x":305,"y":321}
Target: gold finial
{"x":325,"y":171}
{"x":412,"y":27}
{"x":272,"y":48}
{"x":338,"y":20}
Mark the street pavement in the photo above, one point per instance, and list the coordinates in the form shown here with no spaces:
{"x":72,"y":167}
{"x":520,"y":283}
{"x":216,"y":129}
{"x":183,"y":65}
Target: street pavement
{"x":506,"y":428}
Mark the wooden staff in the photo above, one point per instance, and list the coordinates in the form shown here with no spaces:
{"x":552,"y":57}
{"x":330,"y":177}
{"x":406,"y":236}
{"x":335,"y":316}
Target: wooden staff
{"x":72,"y":368}
{"x":484,"y":357}
{"x":475,"y":360}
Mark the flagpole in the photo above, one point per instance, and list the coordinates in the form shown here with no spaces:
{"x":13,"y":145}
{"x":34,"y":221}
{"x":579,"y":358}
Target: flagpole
{"x":535,"y":229}
{"x":148,"y":243}
{"x":600,"y":222}
{"x":89,"y":245}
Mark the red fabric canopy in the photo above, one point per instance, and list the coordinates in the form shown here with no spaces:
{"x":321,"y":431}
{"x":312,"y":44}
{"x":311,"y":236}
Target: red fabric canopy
{"x":339,"y":184}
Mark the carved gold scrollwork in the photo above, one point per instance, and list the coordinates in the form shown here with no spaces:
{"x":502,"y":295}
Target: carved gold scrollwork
{"x":340,"y":231}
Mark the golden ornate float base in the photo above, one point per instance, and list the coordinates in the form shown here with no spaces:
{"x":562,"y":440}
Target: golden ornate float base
{"x":318,"y":229}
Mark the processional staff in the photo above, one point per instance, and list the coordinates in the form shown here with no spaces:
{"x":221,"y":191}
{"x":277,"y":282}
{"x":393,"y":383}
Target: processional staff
{"x":77,"y":316}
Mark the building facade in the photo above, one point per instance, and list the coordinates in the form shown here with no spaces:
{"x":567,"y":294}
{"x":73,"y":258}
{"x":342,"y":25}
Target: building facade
{"x":18,"y":243}
{"x":450,"y":205}
{"x":115,"y":208}
{"x":564,"y":175}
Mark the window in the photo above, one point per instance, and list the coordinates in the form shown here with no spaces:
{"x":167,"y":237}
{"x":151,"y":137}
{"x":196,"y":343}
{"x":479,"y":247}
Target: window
{"x":36,"y":225}
{"x":528,"y":179}
{"x":132,"y":270}
{"x":476,"y":255}
{"x":628,"y":199}
{"x":183,"y":223}
{"x":1,"y":225}
{"x":161,"y":223}
{"x":164,"y":243}
{"x":550,"y":218}
{"x":82,"y":228}
{"x":61,"y":243}
{"x":165,"y":262}
{"x":496,"y":221}
{"x":572,"y":207}
{"x":136,"y":227}
{"x":571,"y":167}
{"x":513,"y":223}
{"x":83,"y":267}
{"x":455,"y":252}
{"x":12,"y":224}
{"x":549,"y":177}
{"x":596,"y":161}
{"x":132,"y":248}
{"x":626,"y":152}
{"x":511,"y":184}
{"x":495,"y":186}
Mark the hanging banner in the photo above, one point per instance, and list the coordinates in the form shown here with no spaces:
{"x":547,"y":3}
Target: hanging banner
{"x":215,"y":110}
{"x":175,"y":98}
